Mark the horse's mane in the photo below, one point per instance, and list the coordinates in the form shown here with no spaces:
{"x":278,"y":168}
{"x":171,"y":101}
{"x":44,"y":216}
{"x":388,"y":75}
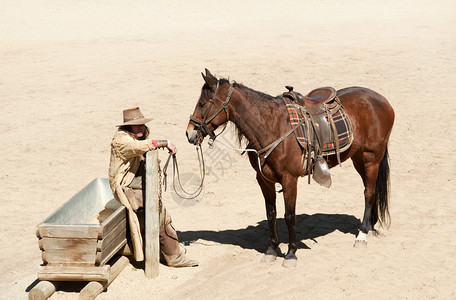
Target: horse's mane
{"x":260,"y":98}
{"x":259,"y":95}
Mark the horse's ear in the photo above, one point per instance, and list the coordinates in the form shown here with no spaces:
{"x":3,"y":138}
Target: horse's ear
{"x":208,"y":74}
{"x":210,"y":79}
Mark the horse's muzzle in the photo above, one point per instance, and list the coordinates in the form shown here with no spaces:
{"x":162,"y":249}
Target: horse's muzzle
{"x":194,"y":136}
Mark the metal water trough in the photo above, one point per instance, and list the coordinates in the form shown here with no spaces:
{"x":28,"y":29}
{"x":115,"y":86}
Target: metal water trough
{"x":82,"y":235}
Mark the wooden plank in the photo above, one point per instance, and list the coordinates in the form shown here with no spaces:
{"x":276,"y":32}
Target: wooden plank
{"x":69,"y":231}
{"x":151,"y":245}
{"x":59,"y":257}
{"x":111,"y":222}
{"x":43,"y":290}
{"x":83,"y":252}
{"x":111,"y":249}
{"x":119,"y":229}
{"x":63,"y":250}
{"x":73,"y":273}
{"x":93,"y":288}
{"x":69,"y":243}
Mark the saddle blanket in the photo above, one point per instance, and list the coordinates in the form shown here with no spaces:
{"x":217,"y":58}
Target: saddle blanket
{"x":343,"y":128}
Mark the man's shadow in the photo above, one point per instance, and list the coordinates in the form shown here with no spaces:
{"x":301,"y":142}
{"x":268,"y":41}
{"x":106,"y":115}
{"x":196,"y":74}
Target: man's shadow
{"x":257,"y":237}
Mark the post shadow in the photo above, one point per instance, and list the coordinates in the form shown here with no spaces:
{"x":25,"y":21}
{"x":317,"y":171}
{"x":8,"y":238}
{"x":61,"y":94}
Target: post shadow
{"x":257,"y":237}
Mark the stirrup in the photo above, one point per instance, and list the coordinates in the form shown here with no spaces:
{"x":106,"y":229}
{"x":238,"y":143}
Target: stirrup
{"x":321,"y":172}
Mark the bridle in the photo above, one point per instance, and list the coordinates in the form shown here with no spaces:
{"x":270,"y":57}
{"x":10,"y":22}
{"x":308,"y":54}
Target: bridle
{"x":202,"y":124}
{"x":201,"y":129}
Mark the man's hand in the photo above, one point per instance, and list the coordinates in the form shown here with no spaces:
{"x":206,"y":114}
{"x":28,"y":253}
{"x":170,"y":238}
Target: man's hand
{"x":171,"y":147}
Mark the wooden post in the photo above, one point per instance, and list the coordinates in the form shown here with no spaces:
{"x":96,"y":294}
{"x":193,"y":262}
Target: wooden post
{"x":94,"y":288}
{"x":152,"y":245}
{"x":43,"y":290}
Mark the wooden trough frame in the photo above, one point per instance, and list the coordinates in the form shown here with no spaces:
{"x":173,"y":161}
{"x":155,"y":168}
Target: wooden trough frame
{"x":77,"y":246}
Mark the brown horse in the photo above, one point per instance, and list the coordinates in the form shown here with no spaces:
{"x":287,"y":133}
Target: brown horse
{"x":263,"y":119}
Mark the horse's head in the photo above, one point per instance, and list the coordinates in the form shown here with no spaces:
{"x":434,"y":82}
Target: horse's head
{"x":208,"y":116}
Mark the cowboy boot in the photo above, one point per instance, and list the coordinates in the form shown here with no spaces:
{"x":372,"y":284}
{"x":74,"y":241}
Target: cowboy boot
{"x":173,"y":252}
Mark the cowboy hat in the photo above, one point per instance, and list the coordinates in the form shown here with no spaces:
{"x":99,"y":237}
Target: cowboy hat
{"x":133,"y":116}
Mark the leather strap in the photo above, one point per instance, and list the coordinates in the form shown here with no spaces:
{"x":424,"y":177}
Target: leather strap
{"x":274,"y":144}
{"x":336,"y":138}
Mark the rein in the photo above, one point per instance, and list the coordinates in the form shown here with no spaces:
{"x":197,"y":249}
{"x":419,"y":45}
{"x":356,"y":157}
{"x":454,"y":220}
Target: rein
{"x":176,"y":175}
{"x":202,"y":126}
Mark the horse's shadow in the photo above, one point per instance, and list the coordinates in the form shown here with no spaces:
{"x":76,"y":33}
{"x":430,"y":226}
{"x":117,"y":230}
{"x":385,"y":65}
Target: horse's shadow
{"x":257,"y":237}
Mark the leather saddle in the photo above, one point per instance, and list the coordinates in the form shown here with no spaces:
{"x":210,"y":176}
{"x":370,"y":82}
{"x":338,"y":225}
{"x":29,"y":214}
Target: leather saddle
{"x":315,"y":100}
{"x":317,"y":108}
{"x":295,"y":96}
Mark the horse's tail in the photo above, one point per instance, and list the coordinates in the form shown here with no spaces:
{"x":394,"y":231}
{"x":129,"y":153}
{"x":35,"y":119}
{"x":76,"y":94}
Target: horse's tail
{"x":380,"y":211}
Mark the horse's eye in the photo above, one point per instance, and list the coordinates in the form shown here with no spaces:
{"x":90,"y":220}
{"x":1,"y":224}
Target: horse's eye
{"x":201,"y":103}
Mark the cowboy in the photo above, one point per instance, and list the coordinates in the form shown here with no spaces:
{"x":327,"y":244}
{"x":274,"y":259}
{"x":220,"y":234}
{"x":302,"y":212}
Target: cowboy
{"x":126,"y":178}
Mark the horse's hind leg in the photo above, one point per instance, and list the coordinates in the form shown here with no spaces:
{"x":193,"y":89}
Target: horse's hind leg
{"x":269,"y":194}
{"x":367,"y":165}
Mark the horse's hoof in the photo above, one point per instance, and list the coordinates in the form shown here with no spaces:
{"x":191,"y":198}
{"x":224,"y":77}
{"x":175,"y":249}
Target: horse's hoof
{"x":267,"y":258}
{"x":362,"y":237}
{"x":360,"y":244}
{"x":290,"y":263}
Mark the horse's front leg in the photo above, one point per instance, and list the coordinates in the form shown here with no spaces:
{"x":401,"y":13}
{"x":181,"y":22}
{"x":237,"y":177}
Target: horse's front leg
{"x":269,"y":194}
{"x":289,"y":185}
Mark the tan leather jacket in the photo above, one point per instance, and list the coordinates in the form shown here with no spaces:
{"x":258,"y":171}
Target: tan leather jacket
{"x":126,"y":152}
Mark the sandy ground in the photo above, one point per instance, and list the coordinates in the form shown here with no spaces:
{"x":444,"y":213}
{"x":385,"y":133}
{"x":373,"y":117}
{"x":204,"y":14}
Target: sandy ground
{"x":68,"y":69}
